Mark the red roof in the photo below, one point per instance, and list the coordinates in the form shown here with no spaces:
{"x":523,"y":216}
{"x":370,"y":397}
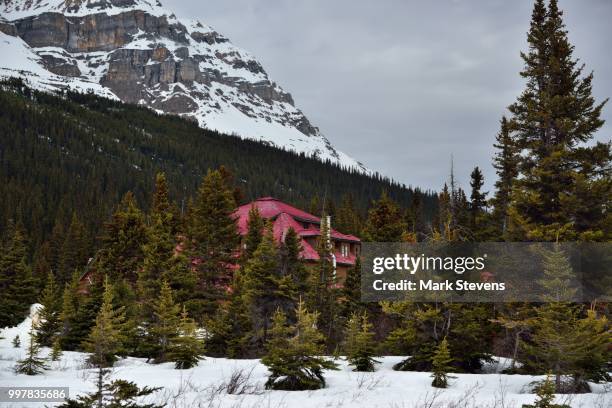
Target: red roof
{"x":285,"y":216}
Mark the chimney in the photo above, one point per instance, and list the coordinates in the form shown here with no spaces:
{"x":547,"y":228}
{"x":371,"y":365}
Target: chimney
{"x":329,"y":243}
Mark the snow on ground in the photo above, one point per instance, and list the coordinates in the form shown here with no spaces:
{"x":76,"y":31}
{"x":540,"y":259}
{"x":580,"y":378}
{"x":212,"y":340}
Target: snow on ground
{"x":201,"y":386}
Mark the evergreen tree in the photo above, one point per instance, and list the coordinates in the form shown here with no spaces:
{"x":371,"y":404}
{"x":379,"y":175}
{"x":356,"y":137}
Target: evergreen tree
{"x":505,"y":163}
{"x":16,"y":282}
{"x":351,"y":290}
{"x":161,"y":260}
{"x":445,"y":213}
{"x":324,"y":291}
{"x":161,"y":207}
{"x":441,"y":365}
{"x":477,"y":199}
{"x":32,"y":364}
{"x":359,"y":344}
{"x":50,"y":324}
{"x":385,"y":222}
{"x":121,"y":252}
{"x":315,"y":206}
{"x":187,"y":349}
{"x":261,"y":287}
{"x":16,"y":341}
{"x":562,"y":341}
{"x":164,"y":328}
{"x":292,"y":266}
{"x":416,"y":217}
{"x":558,"y":281}
{"x":293,"y":353}
{"x":74,"y":250}
{"x":546,"y":396}
{"x":106,"y":337}
{"x":213,"y":239}
{"x":56,"y":241}
{"x":42,"y":265}
{"x":81,"y":312}
{"x":555,"y":345}
{"x":236,"y":325}
{"x":348,"y":220}
{"x":255,"y":228}
{"x":564,"y":185}
{"x":113,"y":394}
{"x":422,"y":326}
{"x":56,"y":349}
{"x":67,"y":317}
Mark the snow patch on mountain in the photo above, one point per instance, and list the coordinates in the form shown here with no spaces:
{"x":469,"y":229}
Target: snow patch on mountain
{"x":19,"y":60}
{"x":138,"y":52}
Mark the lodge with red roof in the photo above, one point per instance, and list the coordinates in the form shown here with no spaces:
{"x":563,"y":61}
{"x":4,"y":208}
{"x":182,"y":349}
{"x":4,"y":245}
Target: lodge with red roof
{"x":346,"y":248}
{"x":283,"y":216}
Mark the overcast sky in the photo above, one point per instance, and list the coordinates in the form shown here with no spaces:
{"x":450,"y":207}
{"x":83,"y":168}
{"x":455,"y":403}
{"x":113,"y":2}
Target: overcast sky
{"x":401,"y":85}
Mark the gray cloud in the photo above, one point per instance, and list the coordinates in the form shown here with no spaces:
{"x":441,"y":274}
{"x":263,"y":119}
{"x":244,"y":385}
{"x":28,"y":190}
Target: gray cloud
{"x":402,"y":85}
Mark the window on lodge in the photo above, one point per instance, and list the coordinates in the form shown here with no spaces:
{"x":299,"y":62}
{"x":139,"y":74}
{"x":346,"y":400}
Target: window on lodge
{"x":344,"y":249}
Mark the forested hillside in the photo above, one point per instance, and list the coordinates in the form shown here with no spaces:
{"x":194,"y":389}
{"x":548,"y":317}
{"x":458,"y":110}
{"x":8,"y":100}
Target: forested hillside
{"x":81,"y":153}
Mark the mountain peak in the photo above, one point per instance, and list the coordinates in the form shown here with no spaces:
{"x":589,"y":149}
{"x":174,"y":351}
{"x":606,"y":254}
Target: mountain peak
{"x":24,"y":8}
{"x":139,"y":52}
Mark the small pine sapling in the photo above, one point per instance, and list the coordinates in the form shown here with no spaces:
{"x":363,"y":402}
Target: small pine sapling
{"x":32,"y":364}
{"x":359,"y":344}
{"x":545,"y":392}
{"x":441,"y":365}
{"x":186,"y":349}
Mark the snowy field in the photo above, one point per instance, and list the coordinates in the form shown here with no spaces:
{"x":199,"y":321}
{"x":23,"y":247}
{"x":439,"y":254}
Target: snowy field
{"x":206,"y":384}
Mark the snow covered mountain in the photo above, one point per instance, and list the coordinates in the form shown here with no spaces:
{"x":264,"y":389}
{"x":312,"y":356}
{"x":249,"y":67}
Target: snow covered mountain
{"x":139,"y":52}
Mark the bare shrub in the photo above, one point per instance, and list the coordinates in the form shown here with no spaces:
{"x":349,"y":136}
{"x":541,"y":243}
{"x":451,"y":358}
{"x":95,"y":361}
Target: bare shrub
{"x":240,"y":382}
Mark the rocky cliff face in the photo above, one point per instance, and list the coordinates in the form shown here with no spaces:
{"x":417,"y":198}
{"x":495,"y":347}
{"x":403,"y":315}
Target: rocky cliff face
{"x":137,"y":51}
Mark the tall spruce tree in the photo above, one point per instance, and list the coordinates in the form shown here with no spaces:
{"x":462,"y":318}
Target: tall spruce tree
{"x":564,"y":184}
{"x":477,"y":199}
{"x":254,"y":235}
{"x":292,"y":266}
{"x":385,"y":222}
{"x":505,"y":163}
{"x":348,"y":219}
{"x":212,"y":241}
{"x":351,"y":290}
{"x":416,"y":217}
{"x":74,"y":250}
{"x":161,"y":260}
{"x":121,"y":252}
{"x":261,"y":288}
{"x":17,"y":285}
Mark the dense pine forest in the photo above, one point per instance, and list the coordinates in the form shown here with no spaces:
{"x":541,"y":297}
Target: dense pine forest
{"x":78,"y":153}
{"x":166,"y":262}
